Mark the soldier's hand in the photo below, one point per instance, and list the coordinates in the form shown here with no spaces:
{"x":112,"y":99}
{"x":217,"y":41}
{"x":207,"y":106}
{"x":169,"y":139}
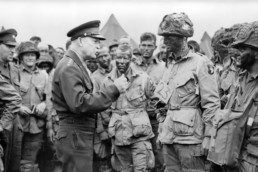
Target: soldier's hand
{"x":206,"y":145}
{"x":25,"y":111}
{"x":104,"y":136}
{"x":121,"y":83}
{"x":51,"y":135}
{"x":40,"y":108}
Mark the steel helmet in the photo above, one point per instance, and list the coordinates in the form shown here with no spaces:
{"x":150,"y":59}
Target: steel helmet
{"x":176,"y":24}
{"x":27,"y":47}
{"x":247,"y":35}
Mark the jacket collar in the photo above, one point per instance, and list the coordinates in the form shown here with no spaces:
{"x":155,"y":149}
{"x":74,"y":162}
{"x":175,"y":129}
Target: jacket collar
{"x":75,"y":57}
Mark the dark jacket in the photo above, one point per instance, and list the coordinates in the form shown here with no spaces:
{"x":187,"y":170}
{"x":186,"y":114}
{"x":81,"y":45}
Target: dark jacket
{"x":72,"y":90}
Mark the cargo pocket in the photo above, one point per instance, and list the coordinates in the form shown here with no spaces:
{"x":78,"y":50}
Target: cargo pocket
{"x":141,"y":125}
{"x":136,"y":96}
{"x":150,"y":159}
{"x":183,"y":122}
{"x":186,"y":86}
{"x":112,"y":127}
{"x":83,"y":140}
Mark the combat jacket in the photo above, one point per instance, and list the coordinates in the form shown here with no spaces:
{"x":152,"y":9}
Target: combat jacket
{"x":227,"y":79}
{"x":193,"y":101}
{"x":155,"y":70}
{"x":11,"y":103}
{"x":130,"y":122}
{"x":103,"y":118}
{"x":33,"y":88}
{"x":72,"y":91}
{"x":52,"y":118}
{"x":245,"y":88}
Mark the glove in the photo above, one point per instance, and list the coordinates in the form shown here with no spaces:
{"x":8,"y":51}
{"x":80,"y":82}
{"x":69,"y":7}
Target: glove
{"x":25,"y":111}
{"x":121,"y":83}
{"x":206,"y":145}
{"x":40,"y":108}
{"x":104,"y":136}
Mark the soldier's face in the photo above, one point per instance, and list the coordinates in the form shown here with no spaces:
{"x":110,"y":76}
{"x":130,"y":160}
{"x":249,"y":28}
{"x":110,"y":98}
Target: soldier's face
{"x":112,"y":52}
{"x":147,"y":48}
{"x":90,"y":47}
{"x":6,"y":53}
{"x":29,"y":59}
{"x":174,"y":43}
{"x":92,"y":64}
{"x":104,"y":58}
{"x":246,"y":58}
{"x":123,"y":61}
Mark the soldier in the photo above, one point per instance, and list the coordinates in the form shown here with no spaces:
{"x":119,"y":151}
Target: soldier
{"x":102,"y":143}
{"x":10,"y":101}
{"x":36,"y":40}
{"x":155,"y":69}
{"x":190,"y":90}
{"x":74,"y":101}
{"x":112,"y":49}
{"x":247,"y":43}
{"x":129,"y":126}
{"x":33,"y":85}
{"x":91,"y":65}
{"x":10,"y":72}
{"x":161,"y":55}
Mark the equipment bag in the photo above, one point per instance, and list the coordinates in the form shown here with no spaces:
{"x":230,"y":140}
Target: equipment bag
{"x":227,"y":138}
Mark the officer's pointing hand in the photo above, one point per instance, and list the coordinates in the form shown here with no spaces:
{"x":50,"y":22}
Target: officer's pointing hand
{"x":121,"y":83}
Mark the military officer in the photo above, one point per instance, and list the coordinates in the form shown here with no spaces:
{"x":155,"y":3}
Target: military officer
{"x":74,"y":101}
{"x":10,"y":72}
{"x":189,"y":85}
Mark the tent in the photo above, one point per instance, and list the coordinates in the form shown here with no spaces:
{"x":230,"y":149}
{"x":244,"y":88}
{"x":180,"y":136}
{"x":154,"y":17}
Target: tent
{"x":205,"y":45}
{"x":112,"y":30}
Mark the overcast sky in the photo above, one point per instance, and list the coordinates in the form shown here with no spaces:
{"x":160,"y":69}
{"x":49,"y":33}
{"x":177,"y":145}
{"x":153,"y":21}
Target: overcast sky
{"x":52,"y":19}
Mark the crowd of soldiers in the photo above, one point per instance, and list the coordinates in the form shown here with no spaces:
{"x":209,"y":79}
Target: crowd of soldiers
{"x":100,"y":108}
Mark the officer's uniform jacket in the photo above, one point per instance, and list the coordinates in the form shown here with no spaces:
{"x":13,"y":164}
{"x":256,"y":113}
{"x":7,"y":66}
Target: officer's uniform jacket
{"x":11,"y":103}
{"x":33,"y":91}
{"x":72,"y":91}
{"x":130,"y":122}
{"x":193,"y":101}
{"x":10,"y":72}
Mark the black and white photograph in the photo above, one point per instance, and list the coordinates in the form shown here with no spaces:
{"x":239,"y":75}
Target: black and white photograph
{"x":128,"y":86}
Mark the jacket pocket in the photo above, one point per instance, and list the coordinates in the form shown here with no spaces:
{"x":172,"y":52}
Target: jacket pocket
{"x":186,"y":85}
{"x":136,"y":96}
{"x":183,"y":122}
{"x":141,"y":124}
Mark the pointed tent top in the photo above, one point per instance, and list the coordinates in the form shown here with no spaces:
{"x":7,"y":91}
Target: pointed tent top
{"x":112,"y":30}
{"x":206,"y":36}
{"x":205,"y":45}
